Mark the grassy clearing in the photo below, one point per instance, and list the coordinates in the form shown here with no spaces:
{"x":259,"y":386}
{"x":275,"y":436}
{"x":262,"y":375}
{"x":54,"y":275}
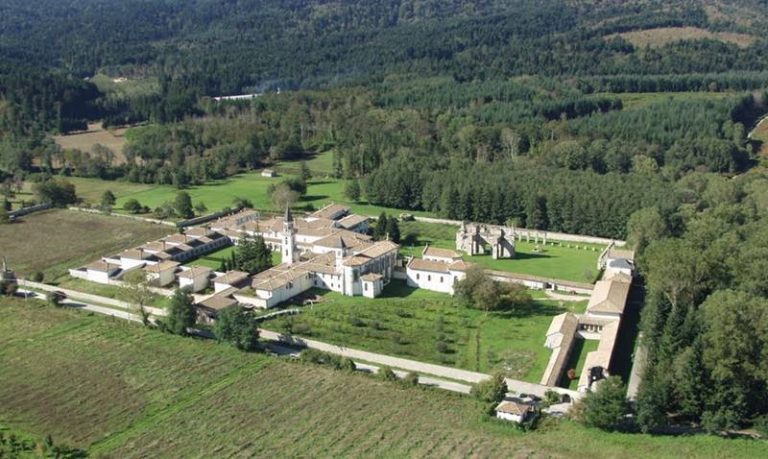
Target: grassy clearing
{"x":124,"y":391}
{"x":219,"y":194}
{"x":643,"y":99}
{"x":56,"y":240}
{"x":433,"y":327}
{"x":760,"y":134}
{"x":560,"y":261}
{"x":664,"y":35}
{"x":114,"y":139}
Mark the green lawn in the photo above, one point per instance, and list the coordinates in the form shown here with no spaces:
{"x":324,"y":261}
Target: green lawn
{"x":213,"y":260}
{"x":219,"y":194}
{"x":642,"y":99}
{"x":110,"y":291}
{"x":573,"y":262}
{"x":581,"y":347}
{"x":413,"y":323}
{"x":124,"y":391}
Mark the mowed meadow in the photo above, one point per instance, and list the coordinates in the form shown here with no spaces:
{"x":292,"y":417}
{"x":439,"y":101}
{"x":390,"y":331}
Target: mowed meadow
{"x":121,"y":390}
{"x":56,"y":240}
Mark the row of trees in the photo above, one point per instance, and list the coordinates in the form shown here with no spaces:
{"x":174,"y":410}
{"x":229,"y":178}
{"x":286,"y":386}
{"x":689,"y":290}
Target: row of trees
{"x":705,"y":316}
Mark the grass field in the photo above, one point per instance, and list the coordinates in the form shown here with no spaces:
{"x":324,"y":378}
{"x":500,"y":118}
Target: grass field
{"x":124,"y":391}
{"x":56,"y":240}
{"x":109,"y":291}
{"x":413,"y":323}
{"x":554,"y":261}
{"x":219,"y":194}
{"x":664,"y":35}
{"x":642,"y":99}
{"x":114,"y":139}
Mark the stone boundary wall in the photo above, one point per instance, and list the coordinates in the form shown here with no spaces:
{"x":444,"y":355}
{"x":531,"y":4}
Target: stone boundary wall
{"x":89,"y":297}
{"x":531,"y":233}
{"x":130,"y":217}
{"x":28,"y":210}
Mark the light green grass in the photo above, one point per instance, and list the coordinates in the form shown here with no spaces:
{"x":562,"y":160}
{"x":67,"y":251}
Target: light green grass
{"x":642,"y":99}
{"x":125,"y":391}
{"x":213,"y":260}
{"x":581,"y":347}
{"x":411,"y":322}
{"x":572,"y":262}
{"x":219,"y":194}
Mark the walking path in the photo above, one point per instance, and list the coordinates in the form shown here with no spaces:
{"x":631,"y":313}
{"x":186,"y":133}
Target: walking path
{"x":427,"y":371}
{"x":638,"y":365}
{"x":440,"y":371}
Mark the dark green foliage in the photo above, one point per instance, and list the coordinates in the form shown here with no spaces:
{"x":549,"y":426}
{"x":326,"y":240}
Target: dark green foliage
{"x":352,"y":190}
{"x":57,"y":192}
{"x":393,"y":230}
{"x":238,"y":327}
{"x":492,"y":390}
{"x":380,"y":230}
{"x":38,"y":276}
{"x":305,"y":173}
{"x":4,"y":217}
{"x":183,"y":205}
{"x":252,"y":255}
{"x":479,"y":291}
{"x":181,"y":313}
{"x":108,"y":199}
{"x":133,"y":206}
{"x":606,"y":407}
{"x":387,"y":374}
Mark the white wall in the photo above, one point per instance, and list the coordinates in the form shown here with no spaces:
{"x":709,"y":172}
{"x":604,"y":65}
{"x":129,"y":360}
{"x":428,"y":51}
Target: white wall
{"x":436,"y":282}
{"x":509,"y":417}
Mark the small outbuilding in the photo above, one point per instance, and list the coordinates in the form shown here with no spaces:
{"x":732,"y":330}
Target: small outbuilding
{"x":268,"y":173}
{"x":195,"y":279}
{"x":511,"y":410}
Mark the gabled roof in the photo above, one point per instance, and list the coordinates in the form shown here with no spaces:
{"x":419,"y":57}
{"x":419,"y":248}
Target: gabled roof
{"x":514,"y":408}
{"x":436,"y":252}
{"x":195,"y":271}
{"x":218,"y":302}
{"x":231,"y":278}
{"x":565,"y":323}
{"x":419,"y":264}
{"x":331,"y":211}
{"x":613,"y":252}
{"x":102,"y":266}
{"x":162,"y":266}
{"x":352,"y":221}
{"x":609,"y":296}
{"x":378,"y":249}
{"x":372,"y":277}
{"x":136,"y":254}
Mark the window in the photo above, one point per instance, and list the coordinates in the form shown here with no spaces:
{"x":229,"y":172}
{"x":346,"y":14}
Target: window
{"x":429,"y":278}
{"x":417,"y":276}
{"x":441,"y":279}
{"x":365,"y":287}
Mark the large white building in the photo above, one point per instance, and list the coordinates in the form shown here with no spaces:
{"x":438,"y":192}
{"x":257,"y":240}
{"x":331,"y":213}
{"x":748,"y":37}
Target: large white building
{"x":333,"y":259}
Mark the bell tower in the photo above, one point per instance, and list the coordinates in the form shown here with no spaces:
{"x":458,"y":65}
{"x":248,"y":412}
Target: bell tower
{"x":290,"y":255}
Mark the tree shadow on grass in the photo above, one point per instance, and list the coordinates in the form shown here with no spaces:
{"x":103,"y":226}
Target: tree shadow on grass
{"x":314,"y":197}
{"x":536,"y":308}
{"x":397,"y":290}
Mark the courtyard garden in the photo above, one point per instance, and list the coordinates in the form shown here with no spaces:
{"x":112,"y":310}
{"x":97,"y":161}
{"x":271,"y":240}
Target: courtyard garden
{"x":433,"y":327}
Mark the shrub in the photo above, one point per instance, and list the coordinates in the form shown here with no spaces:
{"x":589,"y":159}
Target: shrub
{"x":38,"y":276}
{"x":387,"y":374}
{"x":133,"y":206}
{"x":442,"y":347}
{"x":411,"y":379}
{"x":356,"y":321}
{"x":607,"y":406}
{"x":491,"y":390}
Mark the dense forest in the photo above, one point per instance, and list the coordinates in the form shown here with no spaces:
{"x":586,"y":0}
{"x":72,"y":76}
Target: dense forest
{"x":545,"y":114}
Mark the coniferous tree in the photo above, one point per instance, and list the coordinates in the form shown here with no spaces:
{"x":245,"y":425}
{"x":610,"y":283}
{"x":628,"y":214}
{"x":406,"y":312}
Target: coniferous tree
{"x":181,"y":314}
